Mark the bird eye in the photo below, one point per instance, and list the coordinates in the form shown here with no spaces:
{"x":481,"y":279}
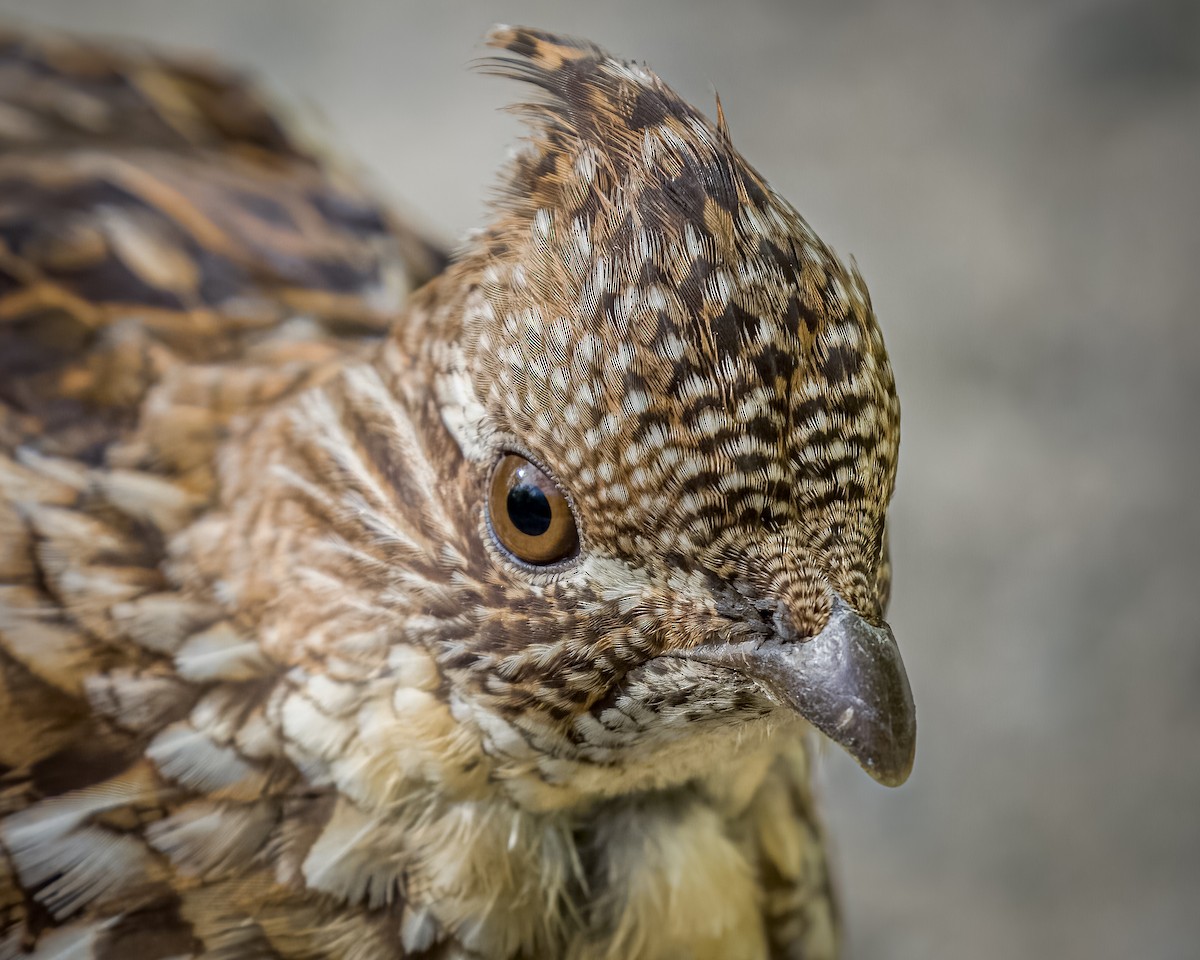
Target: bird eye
{"x":530,"y":514}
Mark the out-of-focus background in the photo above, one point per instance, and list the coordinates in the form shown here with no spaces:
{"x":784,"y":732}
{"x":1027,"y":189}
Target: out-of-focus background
{"x":1020,"y":184}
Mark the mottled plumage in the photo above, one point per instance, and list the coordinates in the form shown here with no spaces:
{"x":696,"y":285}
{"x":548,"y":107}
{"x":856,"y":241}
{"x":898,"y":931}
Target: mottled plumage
{"x":279,"y":681}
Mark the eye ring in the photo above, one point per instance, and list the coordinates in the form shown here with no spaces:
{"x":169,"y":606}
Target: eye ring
{"x":529,"y":514}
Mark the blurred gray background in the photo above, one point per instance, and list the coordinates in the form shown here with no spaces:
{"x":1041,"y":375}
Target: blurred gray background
{"x":1020,"y":184}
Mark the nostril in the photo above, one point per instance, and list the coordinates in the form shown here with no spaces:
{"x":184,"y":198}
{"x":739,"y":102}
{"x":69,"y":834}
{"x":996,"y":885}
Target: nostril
{"x":768,"y":617}
{"x":776,"y":619}
{"x":785,"y":626}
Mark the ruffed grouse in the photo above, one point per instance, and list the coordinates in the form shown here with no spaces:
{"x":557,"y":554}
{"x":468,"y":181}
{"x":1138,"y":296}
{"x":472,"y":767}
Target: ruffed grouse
{"x":490,"y":626}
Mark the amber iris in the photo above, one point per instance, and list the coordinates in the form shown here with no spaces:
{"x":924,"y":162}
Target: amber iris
{"x":530,"y":514}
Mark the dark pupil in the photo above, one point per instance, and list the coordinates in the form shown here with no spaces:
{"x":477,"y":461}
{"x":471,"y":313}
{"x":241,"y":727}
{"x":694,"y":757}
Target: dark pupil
{"x":528,"y":509}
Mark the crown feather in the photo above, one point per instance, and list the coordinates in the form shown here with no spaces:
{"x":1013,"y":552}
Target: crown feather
{"x":603,"y":120}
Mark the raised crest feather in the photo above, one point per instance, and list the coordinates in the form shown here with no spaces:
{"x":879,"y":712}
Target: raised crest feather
{"x":603,"y":121}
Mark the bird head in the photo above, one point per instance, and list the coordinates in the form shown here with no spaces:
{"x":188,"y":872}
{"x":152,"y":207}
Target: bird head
{"x":661,"y":428}
{"x":680,"y":427}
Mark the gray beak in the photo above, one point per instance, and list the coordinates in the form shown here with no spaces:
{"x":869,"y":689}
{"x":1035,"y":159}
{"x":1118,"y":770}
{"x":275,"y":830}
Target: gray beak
{"x":848,"y":681}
